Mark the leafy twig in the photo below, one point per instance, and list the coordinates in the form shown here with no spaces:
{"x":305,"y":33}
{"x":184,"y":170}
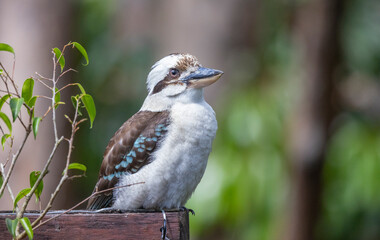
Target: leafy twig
{"x":42,"y":175}
{"x":65,"y":175}
{"x":29,"y":104}
{"x":14,"y":159}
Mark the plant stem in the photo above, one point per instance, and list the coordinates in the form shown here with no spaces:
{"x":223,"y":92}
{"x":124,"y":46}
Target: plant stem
{"x":39,"y":179}
{"x":2,"y":172}
{"x":11,"y":78}
{"x":53,"y":99}
{"x":62,"y":180}
{"x":14,"y":159}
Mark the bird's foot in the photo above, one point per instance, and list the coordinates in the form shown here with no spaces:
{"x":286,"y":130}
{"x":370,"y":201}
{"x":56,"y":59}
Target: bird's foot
{"x":187,"y":210}
{"x":163,"y":229}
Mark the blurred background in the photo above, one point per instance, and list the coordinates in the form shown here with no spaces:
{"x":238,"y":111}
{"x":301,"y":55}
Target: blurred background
{"x":297,"y":153}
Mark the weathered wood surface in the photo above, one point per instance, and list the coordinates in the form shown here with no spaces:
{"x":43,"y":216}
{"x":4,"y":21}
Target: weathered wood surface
{"x":87,"y":225}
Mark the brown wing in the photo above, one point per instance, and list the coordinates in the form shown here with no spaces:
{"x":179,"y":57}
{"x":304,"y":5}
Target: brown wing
{"x":128,"y":151}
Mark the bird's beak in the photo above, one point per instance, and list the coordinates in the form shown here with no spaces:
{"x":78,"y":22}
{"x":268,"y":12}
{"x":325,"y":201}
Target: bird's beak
{"x":202,"y":77}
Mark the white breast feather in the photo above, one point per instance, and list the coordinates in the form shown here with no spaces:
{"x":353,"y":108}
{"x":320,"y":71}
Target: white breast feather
{"x":179,"y":162}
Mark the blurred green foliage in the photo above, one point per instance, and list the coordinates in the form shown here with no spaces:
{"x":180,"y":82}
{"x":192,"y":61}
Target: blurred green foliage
{"x":352,"y":175}
{"x":245,"y":191}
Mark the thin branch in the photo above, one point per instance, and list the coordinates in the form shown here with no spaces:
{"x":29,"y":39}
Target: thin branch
{"x":65,"y":174}
{"x":9,"y":152}
{"x":39,"y":179}
{"x":11,"y":194}
{"x":2,"y":173}
{"x":8,"y":92}
{"x":68,"y":70}
{"x":63,"y":178}
{"x":14,"y":158}
{"x":53,"y":98}
{"x":5,"y":83}
{"x":47,"y":86}
{"x":19,"y":118}
{"x":11,"y":78}
{"x":9,"y":187}
{"x":46,"y":113}
{"x":45,"y":97}
{"x":42,"y":77}
{"x":68,"y":85}
{"x":35,"y":226}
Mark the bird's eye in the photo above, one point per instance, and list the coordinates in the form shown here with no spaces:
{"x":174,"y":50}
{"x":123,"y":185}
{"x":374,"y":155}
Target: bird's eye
{"x":174,"y":72}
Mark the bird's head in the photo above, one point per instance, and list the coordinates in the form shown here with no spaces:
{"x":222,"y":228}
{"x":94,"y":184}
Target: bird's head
{"x":177,"y":78}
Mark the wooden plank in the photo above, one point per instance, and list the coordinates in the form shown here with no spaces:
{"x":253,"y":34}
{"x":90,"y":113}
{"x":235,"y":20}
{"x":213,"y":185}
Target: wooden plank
{"x":89,"y":225}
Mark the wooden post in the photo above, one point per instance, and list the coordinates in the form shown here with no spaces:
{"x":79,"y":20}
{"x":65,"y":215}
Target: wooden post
{"x":88,"y":225}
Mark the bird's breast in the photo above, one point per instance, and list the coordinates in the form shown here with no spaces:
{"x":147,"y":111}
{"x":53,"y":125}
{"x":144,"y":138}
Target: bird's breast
{"x":182,"y":157}
{"x":178,"y":162}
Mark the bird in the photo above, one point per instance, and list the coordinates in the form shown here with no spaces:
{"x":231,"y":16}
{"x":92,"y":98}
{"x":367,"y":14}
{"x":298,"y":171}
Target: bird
{"x":165,"y":145}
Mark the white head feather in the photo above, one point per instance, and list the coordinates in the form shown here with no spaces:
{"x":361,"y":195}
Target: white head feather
{"x":172,"y":93}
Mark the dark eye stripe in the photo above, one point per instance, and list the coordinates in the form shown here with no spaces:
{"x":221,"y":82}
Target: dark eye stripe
{"x":165,"y":82}
{"x":159,"y":86}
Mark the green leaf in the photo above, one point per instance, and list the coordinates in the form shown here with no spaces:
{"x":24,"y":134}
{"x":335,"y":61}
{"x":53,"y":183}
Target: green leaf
{"x":78,"y":166}
{"x":27,"y":89}
{"x":1,"y":71}
{"x":82,"y":51}
{"x":32,"y":180}
{"x":90,"y":107}
{"x":15,"y":105}
{"x":11,"y":225}
{"x":6,"y":121}
{"x":25,"y":222}
{"x":32,"y":101}
{"x":3,"y":140}
{"x":59,"y":56}
{"x":81,"y":88}
{"x":6,"y":47}
{"x":3,"y":100}
{"x":36,"y":123}
{"x":20,"y":195}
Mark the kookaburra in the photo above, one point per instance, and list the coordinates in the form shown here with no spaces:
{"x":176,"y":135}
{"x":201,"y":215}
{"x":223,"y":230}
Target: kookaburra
{"x":165,"y":145}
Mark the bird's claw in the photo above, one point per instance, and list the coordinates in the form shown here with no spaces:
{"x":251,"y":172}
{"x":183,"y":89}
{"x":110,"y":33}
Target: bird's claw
{"x":163,"y":229}
{"x":192,"y":211}
{"x":188,"y":210}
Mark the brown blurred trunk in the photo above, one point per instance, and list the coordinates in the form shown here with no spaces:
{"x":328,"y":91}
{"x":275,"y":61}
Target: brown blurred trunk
{"x":33,"y":28}
{"x":317,"y":32}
